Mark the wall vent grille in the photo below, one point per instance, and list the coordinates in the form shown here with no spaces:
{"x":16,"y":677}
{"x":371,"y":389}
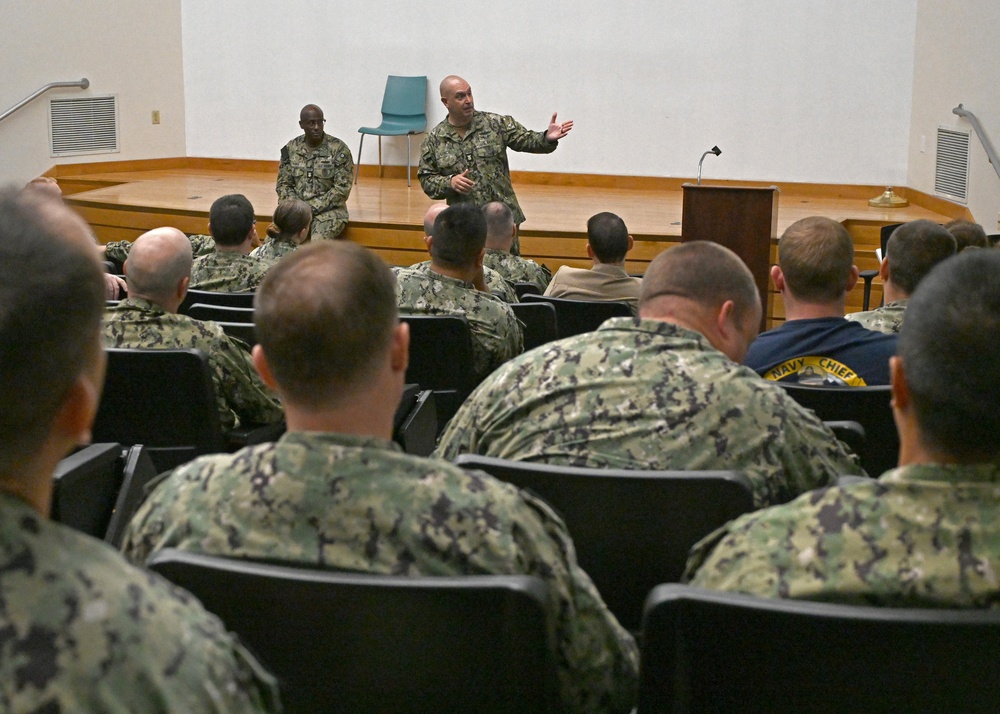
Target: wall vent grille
{"x":951,"y":169}
{"x":85,"y":125}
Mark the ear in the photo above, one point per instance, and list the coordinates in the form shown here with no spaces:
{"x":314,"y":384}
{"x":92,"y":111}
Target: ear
{"x":853,"y":280}
{"x":778,"y":278}
{"x":480,"y":256}
{"x":263,"y":368}
{"x":631,"y":242}
{"x":125,"y":268}
{"x":427,"y":241}
{"x":724,"y":319}
{"x":900,"y":388}
{"x":883,"y":270}
{"x":182,"y":287}
{"x":444,"y":100}
{"x":76,"y":414}
{"x":590,"y":253}
{"x":399,"y":350}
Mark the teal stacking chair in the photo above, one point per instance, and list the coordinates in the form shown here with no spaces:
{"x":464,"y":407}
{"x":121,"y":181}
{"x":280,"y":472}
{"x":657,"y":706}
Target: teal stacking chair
{"x":404,"y":112}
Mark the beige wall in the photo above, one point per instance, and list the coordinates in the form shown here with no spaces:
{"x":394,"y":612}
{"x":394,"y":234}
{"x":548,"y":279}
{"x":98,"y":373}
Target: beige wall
{"x":132,"y":49}
{"x":956,"y":63}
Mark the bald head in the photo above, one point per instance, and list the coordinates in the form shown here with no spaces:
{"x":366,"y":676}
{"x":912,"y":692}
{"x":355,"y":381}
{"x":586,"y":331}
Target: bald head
{"x":499,"y":225}
{"x":157,"y":263}
{"x":449,"y":83}
{"x":456,"y":95}
{"x":432,"y":213}
{"x":309,"y":111}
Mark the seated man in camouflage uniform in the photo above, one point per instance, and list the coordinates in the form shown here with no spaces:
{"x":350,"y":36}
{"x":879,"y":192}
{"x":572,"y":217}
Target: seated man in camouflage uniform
{"x":230,"y":268}
{"x":336,"y":492}
{"x":926,"y":533}
{"x":317,"y":168}
{"x":495,"y":282}
{"x":500,"y":232}
{"x":912,"y":250}
{"x":158,"y":268}
{"x":453,"y":284}
{"x":664,"y":391}
{"x":83,"y":631}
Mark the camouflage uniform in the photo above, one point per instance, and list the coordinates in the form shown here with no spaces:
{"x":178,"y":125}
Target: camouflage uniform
{"x":921,"y":535}
{"x":84,"y":631}
{"x":647,"y":394}
{"x":240,"y":394}
{"x":887,"y":319}
{"x":117,"y":251}
{"x":496,"y":334}
{"x":228,"y":272}
{"x":359,"y":504}
{"x":483,"y":151}
{"x":498,"y":285}
{"x":273,"y":249}
{"x":517,"y":269}
{"x":322,"y":177}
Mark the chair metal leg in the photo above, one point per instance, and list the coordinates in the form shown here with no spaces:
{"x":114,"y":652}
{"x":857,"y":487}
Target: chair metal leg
{"x":357,"y":164}
{"x":407,"y":160}
{"x":380,"y":156}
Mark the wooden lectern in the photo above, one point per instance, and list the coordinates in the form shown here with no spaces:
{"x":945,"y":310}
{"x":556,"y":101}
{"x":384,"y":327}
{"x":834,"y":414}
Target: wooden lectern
{"x":742,"y":218}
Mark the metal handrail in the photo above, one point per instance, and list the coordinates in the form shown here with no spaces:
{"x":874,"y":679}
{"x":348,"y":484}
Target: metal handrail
{"x":991,"y":153}
{"x":81,"y":83}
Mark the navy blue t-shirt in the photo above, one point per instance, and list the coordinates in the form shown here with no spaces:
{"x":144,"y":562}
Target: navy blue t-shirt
{"x":827,"y":351}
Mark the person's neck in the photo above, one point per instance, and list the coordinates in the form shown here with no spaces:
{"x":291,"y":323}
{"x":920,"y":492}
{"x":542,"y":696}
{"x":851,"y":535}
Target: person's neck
{"x":800,"y":310}
{"x":891,"y":293}
{"x":165,"y":305}
{"x":242,"y":248}
{"x":466,"y":274}
{"x":33,"y":482}
{"x":610,"y":265}
{"x":365,"y":415}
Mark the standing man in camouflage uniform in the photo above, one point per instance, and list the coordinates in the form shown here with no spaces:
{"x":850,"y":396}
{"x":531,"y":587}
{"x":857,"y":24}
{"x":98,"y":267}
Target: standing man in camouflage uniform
{"x":453,"y":284}
{"x":317,"y":168}
{"x":912,"y":250}
{"x":926,"y":533}
{"x":500,"y":234}
{"x":464,"y":158}
{"x":662,"y":391}
{"x":158,"y":269}
{"x":335,"y":491}
{"x":230,"y":268}
{"x":83,"y":631}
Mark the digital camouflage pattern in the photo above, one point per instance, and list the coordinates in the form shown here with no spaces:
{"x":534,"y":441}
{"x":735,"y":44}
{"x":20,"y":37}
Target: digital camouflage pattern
{"x":241,"y":396}
{"x":322,"y":177}
{"x":921,"y":535}
{"x":483,"y":151}
{"x":887,"y":319}
{"x":498,"y":285}
{"x":228,"y":272}
{"x":117,"y":251}
{"x":273,"y":249}
{"x":496,"y":333}
{"x":646,"y":394}
{"x":517,"y":269}
{"x":81,"y":630}
{"x":360,"y":504}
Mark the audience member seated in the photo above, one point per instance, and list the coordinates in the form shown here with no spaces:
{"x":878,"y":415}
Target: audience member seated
{"x":289,"y":229}
{"x":117,"y":251}
{"x":158,"y":270}
{"x":453,"y":284}
{"x":335,"y":492}
{"x":608,"y":241}
{"x":967,"y":235}
{"x":495,"y":282}
{"x":926,"y":533}
{"x":500,"y":232}
{"x":913,"y":249}
{"x":816,"y":344}
{"x":230,"y":268}
{"x":665,"y":391}
{"x":83,"y":631}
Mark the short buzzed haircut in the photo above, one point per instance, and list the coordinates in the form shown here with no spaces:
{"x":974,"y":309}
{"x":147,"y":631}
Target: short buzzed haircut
{"x":967,"y":234}
{"x":51,"y":305}
{"x":499,"y":223}
{"x":324,"y":318}
{"x":459,"y":235}
{"x":913,"y":249}
{"x":816,"y":255}
{"x":608,"y":236}
{"x":708,"y":273}
{"x":157,"y":273}
{"x":231,"y":218}
{"x":948,"y":347}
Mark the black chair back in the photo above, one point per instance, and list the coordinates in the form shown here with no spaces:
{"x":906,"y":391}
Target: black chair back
{"x":139,"y":471}
{"x":163,"y":399}
{"x":869,"y":406}
{"x":245,"y":332}
{"x":85,"y":486}
{"x":540,"y":325}
{"x":414,"y":425}
{"x":632,"y":529}
{"x":220,"y":313}
{"x":576,"y":316}
{"x":441,"y":360}
{"x":210,"y":297}
{"x":522,"y":289}
{"x":707,"y":651}
{"x":347,"y":642}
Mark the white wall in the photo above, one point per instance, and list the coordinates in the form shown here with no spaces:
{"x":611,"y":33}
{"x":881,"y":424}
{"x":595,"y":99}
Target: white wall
{"x":956,"y":63}
{"x":132,"y":49}
{"x":790,"y":90}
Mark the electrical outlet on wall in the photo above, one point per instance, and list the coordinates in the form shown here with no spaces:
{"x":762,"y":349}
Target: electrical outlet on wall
{"x":156,"y":116}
